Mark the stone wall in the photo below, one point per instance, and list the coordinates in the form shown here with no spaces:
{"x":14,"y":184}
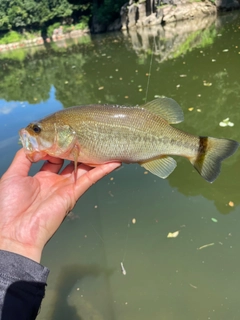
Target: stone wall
{"x":157,"y":12}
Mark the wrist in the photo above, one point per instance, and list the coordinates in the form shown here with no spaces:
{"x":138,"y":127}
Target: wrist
{"x":25,"y":250}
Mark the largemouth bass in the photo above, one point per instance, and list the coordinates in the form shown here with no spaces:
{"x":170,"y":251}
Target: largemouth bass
{"x":97,"y":134}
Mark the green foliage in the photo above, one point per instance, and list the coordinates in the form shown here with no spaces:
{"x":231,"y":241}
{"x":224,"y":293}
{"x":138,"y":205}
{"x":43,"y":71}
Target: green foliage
{"x":108,"y":11}
{"x":51,"y":28}
{"x":15,"y":14}
{"x":22,"y":15}
{"x":83,"y":24}
{"x":11,"y":37}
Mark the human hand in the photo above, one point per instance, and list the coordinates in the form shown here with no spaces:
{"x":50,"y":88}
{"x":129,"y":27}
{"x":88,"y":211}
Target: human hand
{"x":32,"y":208}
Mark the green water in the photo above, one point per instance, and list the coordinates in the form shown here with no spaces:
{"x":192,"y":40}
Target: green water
{"x":197,"y":63}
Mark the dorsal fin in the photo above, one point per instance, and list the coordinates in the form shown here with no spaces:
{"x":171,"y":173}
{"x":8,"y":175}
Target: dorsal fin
{"x":166,"y":108}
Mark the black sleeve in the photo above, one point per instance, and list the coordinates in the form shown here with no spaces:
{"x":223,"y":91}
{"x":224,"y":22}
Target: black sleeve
{"x":22,"y":286}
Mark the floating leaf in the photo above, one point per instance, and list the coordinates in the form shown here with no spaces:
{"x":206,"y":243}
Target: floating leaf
{"x":207,"y":84}
{"x":223,"y":124}
{"x":190,"y":109}
{"x":226,"y":123}
{"x":173,"y":234}
{"x":231,"y":203}
{"x":214,"y":220}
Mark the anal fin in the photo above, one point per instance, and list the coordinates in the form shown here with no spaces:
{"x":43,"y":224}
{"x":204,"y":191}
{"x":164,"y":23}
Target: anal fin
{"x":161,"y":167}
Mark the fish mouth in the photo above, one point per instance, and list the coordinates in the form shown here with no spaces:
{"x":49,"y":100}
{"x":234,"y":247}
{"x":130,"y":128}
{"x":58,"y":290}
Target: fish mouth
{"x":31,"y":146}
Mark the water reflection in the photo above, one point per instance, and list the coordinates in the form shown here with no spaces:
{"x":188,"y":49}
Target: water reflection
{"x":195,"y":63}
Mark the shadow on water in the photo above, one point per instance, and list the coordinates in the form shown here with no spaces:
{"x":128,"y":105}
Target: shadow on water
{"x":70,"y":302}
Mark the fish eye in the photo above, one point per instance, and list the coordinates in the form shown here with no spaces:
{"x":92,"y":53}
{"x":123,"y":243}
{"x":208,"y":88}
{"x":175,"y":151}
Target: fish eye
{"x":36,"y":128}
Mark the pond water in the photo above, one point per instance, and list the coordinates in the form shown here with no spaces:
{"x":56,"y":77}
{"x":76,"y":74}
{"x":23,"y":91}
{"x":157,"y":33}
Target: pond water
{"x":193,"y":276}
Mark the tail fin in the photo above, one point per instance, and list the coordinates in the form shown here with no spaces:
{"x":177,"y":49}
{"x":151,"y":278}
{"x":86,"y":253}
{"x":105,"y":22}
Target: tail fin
{"x":212,"y":152}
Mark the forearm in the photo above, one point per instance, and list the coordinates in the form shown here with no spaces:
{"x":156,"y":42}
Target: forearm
{"x":22,"y":286}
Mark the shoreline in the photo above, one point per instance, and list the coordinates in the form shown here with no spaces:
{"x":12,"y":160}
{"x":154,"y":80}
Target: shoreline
{"x":28,"y":43}
{"x":132,"y":18}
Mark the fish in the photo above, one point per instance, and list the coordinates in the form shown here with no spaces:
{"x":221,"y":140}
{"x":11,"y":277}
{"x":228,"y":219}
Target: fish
{"x":101,"y":133}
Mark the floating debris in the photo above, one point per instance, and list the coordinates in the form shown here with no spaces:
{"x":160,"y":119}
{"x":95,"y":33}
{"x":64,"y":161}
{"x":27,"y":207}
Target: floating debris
{"x":173,"y":234}
{"x":207,"y":84}
{"x":231,"y":204}
{"x":190,"y":109}
{"x":214,"y":220}
{"x":199,"y":110}
{"x":134,"y":221}
{"x":225,"y":50}
{"x":226,"y":123}
{"x":110,"y":193}
{"x":205,"y":246}
{"x":182,"y":75}
{"x":191,"y":285}
{"x":124,"y":272}
{"x":100,"y":88}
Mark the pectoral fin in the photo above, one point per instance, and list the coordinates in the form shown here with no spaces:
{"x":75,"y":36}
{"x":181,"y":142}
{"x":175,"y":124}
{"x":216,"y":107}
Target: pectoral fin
{"x":75,"y":153}
{"x":162,"y":167}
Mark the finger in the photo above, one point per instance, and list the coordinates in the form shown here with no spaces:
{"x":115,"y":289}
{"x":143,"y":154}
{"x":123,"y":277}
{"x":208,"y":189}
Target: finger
{"x":68,"y":169}
{"x":92,"y":176}
{"x":52,"y":164}
{"x":83,"y":169}
{"x":20,"y":165}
